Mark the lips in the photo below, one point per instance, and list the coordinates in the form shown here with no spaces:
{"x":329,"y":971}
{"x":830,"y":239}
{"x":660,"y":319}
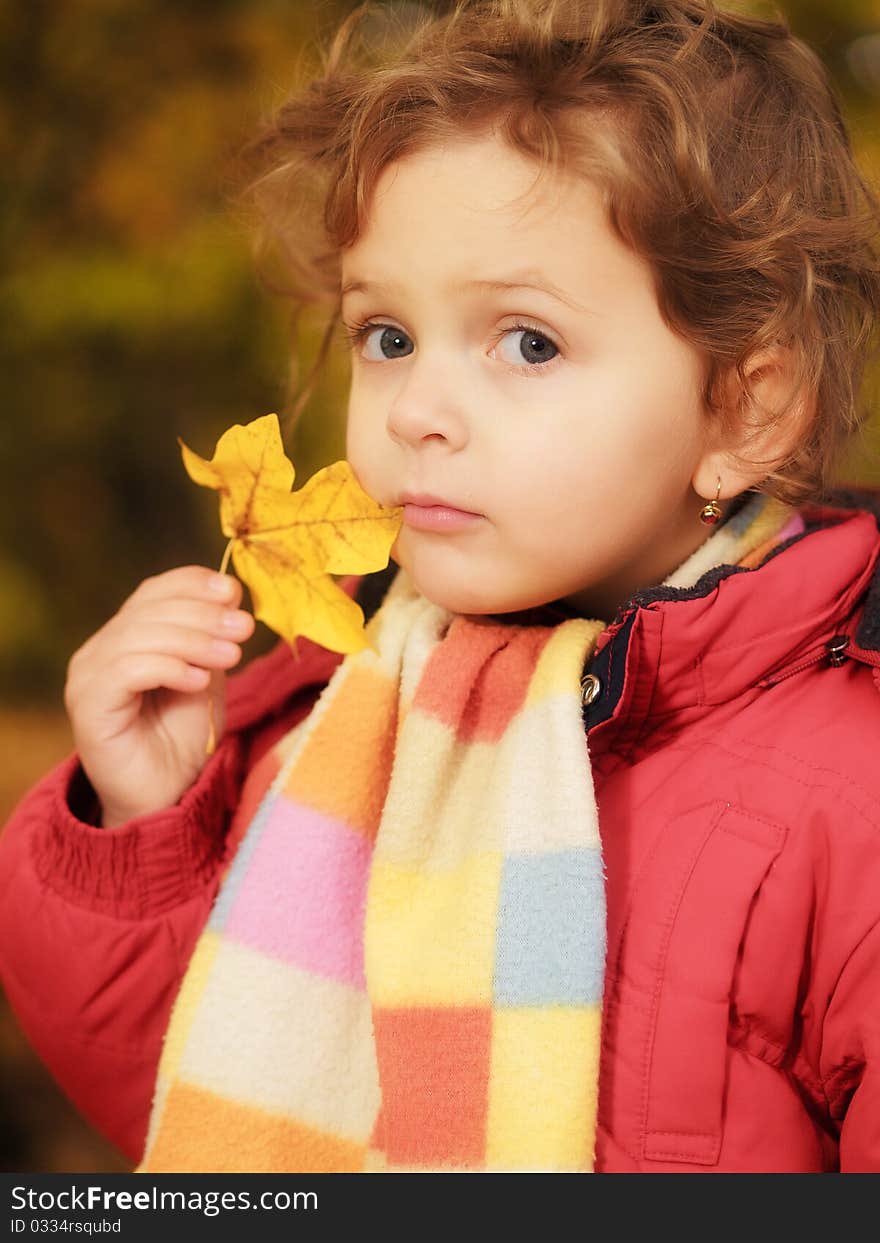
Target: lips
{"x":425,"y":501}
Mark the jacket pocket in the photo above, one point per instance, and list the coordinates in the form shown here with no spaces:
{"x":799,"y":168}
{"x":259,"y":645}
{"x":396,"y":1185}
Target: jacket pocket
{"x":713,"y":866}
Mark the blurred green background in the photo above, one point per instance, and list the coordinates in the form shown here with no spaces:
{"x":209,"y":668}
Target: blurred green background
{"x":129,"y":308}
{"x":130,"y":315}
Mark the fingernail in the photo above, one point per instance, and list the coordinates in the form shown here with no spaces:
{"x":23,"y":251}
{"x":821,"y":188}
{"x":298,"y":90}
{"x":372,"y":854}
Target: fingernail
{"x":235,"y":623}
{"x":221,"y":585}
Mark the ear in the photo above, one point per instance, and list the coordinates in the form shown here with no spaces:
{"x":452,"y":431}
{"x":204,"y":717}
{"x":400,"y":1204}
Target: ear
{"x":761,"y":442}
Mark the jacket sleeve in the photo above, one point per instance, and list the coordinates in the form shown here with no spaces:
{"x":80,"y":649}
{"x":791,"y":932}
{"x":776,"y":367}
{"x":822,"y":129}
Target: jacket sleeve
{"x":97,"y":925}
{"x":851,"y":1045}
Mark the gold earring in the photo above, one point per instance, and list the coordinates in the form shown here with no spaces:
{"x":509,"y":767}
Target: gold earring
{"x":711,"y":512}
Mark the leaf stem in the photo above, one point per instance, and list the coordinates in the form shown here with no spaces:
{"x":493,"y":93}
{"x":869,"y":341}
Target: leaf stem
{"x":227,"y":554}
{"x":211,"y":744}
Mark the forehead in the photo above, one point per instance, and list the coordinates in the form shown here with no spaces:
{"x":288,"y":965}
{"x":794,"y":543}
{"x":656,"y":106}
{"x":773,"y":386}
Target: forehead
{"x":479,"y":181}
{"x":473,"y":207}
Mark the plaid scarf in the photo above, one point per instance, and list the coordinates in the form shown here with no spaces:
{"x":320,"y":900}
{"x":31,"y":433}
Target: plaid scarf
{"x":403,"y":969}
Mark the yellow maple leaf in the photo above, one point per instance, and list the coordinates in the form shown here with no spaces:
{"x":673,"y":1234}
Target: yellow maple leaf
{"x":285,"y":545}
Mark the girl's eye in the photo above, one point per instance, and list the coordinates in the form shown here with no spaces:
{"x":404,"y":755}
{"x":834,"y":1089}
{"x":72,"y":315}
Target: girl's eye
{"x":391,"y":339}
{"x":535,"y":348}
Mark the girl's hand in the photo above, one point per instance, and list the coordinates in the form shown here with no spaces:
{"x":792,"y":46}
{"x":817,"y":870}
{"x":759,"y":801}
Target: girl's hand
{"x":138,"y":691}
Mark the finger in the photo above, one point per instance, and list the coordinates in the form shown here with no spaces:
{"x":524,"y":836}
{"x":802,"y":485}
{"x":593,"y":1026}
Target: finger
{"x":194,"y":646}
{"x":137,"y":672}
{"x":194,"y":581}
{"x":213,"y":619}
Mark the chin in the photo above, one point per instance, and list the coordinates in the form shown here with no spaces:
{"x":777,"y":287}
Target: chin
{"x":455,"y":597}
{"x":457,"y":601}
{"x":454,"y":581}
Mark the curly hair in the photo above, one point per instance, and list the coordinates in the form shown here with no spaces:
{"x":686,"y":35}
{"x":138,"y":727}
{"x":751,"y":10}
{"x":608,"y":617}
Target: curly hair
{"x":721,"y":154}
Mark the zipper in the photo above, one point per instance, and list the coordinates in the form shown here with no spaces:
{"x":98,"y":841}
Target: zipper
{"x":832,"y":650}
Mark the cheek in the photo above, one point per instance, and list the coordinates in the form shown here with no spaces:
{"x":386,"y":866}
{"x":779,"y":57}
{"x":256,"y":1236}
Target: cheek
{"x":357,"y":440}
{"x":570,"y":466}
{"x":636,"y":430}
{"x":363,"y":452}
{"x":351,"y":453}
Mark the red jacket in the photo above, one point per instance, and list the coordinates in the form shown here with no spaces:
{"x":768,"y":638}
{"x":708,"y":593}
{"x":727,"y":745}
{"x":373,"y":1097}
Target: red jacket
{"x":734,"y":747}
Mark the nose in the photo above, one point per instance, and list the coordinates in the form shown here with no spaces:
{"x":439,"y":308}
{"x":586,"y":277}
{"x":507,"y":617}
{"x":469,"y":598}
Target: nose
{"x":425,"y":409}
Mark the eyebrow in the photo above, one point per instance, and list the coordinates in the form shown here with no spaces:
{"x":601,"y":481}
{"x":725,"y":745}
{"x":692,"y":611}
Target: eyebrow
{"x":527,"y":279}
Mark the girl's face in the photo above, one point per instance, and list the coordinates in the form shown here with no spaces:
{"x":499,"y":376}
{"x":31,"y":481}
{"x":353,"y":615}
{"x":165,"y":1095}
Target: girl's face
{"x":570,"y":421}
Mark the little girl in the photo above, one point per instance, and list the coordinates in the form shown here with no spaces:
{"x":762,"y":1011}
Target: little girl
{"x":576,"y":866}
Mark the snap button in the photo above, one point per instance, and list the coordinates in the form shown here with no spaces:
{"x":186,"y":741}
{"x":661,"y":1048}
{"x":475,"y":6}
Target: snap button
{"x":591,"y":689}
{"x":835,"y":649}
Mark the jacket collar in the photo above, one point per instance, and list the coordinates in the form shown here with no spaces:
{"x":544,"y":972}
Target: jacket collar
{"x":675,"y":649}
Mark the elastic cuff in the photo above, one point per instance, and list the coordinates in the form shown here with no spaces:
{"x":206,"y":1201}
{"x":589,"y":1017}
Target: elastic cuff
{"x":152,"y":862}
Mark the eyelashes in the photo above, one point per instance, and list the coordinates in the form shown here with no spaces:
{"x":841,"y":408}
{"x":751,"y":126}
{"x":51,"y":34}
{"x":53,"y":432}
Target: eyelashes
{"x":356,"y":333}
